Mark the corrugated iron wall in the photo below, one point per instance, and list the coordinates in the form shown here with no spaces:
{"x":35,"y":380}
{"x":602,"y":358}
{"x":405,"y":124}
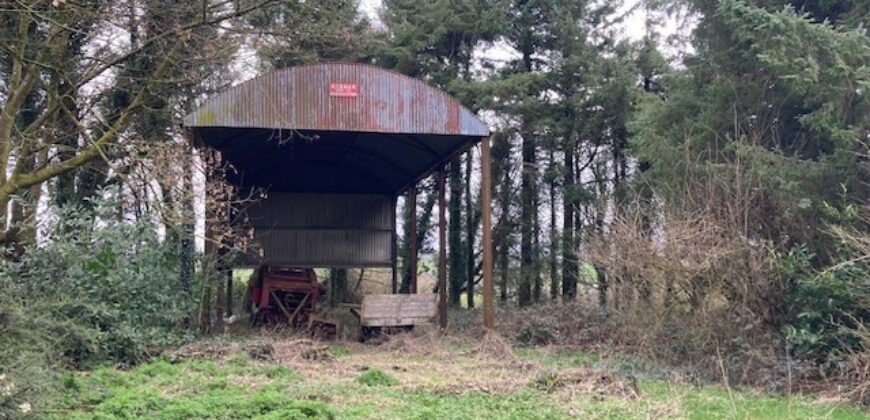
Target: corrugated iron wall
{"x":352,"y":230}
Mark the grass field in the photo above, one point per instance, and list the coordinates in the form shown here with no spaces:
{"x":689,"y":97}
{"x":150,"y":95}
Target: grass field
{"x":414,"y":377}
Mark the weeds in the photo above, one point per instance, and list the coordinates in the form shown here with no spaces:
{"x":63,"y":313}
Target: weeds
{"x":375,"y":377}
{"x":462,"y":385}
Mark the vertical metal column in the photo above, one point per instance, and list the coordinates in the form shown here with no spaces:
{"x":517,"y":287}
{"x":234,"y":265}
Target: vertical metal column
{"x":442,"y":252}
{"x":486,"y":242}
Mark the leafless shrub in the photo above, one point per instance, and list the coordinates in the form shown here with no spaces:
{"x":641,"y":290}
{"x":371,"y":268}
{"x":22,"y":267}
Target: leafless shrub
{"x":690,"y":286}
{"x":856,"y":373}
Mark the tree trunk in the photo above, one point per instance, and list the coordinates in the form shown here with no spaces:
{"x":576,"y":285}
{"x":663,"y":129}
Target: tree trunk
{"x":502,"y":237}
{"x":424,"y":227}
{"x":64,"y":186}
{"x":569,"y":257}
{"x":21,"y":231}
{"x":456,"y":268}
{"x":603,"y":284}
{"x":337,"y":285}
{"x":22,"y":222}
{"x":528,"y":214}
{"x":536,"y":248}
{"x":554,"y":235}
{"x":188,"y":223}
{"x":469,"y":233}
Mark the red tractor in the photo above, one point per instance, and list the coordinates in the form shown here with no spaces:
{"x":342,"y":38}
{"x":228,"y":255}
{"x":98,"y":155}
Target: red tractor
{"x":282,"y":294}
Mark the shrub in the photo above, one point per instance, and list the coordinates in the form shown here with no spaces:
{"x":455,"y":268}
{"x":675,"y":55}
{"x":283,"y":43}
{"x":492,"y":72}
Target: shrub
{"x":693,"y":290}
{"x":829,"y":309}
{"x":536,"y":333}
{"x":27,"y":356}
{"x":707,"y":297}
{"x":375,"y":377}
{"x":96,"y":290}
{"x":116,"y":281}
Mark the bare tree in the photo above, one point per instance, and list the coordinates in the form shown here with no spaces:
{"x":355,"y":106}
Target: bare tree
{"x":93,"y":69}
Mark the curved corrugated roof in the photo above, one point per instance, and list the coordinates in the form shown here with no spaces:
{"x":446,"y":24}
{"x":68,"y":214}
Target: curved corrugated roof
{"x":338,"y":97}
{"x":334,"y":128}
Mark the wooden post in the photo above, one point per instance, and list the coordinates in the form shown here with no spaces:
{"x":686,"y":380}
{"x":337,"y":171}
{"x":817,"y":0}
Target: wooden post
{"x":486,"y":221}
{"x":442,"y":252}
{"x":412,"y":239}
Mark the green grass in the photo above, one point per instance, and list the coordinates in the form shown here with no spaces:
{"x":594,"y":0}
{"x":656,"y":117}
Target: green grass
{"x":561,"y":358}
{"x":193,"y":389}
{"x":240,"y":387}
{"x":663,"y":400}
{"x":375,"y":377}
{"x":339,"y":351}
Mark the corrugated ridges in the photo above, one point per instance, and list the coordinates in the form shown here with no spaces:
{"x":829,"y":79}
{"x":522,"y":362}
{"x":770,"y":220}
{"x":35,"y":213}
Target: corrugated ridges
{"x":298,"y":98}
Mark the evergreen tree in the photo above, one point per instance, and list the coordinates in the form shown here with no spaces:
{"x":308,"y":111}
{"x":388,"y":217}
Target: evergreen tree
{"x":767,"y":104}
{"x":435,"y":41}
{"x":544,"y":91}
{"x":456,"y":272}
{"x":299,"y":32}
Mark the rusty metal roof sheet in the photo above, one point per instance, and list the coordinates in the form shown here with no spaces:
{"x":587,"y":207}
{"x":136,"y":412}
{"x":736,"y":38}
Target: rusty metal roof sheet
{"x":338,"y":97}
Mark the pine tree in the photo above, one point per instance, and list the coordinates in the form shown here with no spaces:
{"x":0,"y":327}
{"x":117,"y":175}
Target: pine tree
{"x":758,"y":114}
{"x":423,"y":227}
{"x":298,"y":32}
{"x":551,"y":39}
{"x":436,"y":41}
{"x":503,"y":176}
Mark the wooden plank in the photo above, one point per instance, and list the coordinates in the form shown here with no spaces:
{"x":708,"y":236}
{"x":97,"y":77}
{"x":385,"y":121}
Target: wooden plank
{"x":405,"y":306}
{"x":486,"y":221}
{"x":391,"y":311}
{"x":396,"y":310}
{"x":409,"y":306}
{"x":398,"y":314}
{"x":420,"y":297}
{"x":395,"y":322}
{"x":409,"y":303}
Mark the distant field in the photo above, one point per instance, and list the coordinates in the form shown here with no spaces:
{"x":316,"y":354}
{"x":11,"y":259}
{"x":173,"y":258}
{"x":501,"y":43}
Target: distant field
{"x":419,"y":377}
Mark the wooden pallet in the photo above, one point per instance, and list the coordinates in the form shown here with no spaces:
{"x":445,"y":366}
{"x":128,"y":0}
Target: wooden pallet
{"x":397,"y":310}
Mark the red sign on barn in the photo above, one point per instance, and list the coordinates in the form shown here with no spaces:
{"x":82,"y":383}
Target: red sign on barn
{"x":345,"y":90}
